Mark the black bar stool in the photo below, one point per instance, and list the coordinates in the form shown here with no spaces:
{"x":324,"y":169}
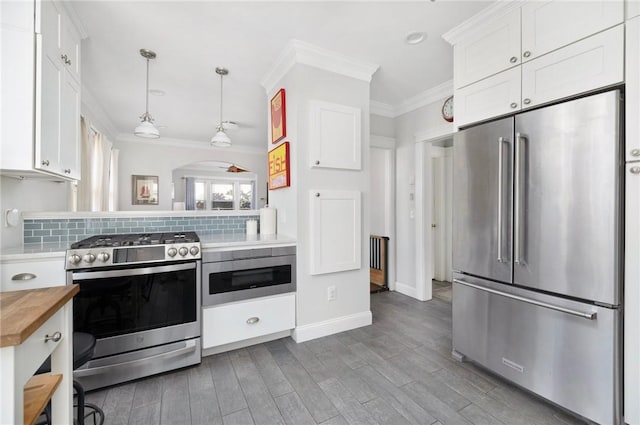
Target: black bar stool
{"x":84,"y":345}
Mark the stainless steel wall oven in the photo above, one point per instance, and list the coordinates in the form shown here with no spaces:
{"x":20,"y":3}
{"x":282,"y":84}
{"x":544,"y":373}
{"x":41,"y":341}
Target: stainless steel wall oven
{"x":247,"y":273}
{"x":140,"y":296}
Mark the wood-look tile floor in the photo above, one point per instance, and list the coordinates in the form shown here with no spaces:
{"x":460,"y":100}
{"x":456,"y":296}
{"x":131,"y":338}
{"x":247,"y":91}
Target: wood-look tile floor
{"x":397,"y":371}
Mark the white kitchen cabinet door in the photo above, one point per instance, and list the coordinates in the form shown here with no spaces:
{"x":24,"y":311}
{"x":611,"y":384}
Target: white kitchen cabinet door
{"x":20,"y":275}
{"x":336,"y":136}
{"x":70,"y":127}
{"x":633,"y":9}
{"x":632,"y":294}
{"x":49,"y":85}
{"x":70,"y":48}
{"x":595,"y":62}
{"x":491,"y":97}
{"x":488,"y":50}
{"x":243,"y":320}
{"x":336,"y":234}
{"x":632,"y":90}
{"x":549,"y":25}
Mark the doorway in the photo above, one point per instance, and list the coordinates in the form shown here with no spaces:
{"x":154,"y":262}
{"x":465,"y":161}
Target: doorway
{"x":441,"y":218}
{"x":382,"y":213}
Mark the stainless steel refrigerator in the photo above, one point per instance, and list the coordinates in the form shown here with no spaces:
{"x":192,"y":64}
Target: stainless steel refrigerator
{"x":537,"y":249}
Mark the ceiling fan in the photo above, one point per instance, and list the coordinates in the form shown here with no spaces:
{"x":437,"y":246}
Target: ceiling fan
{"x":235,"y":169}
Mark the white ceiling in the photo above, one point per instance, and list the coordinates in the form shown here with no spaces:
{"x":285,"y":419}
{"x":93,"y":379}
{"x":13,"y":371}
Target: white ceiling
{"x":192,"y":38}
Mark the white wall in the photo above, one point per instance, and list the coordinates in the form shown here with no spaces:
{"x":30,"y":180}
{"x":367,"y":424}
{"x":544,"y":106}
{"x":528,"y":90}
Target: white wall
{"x":157,"y":159}
{"x":28,"y":195}
{"x":382,"y":126}
{"x":407,"y":126}
{"x":302,"y":84}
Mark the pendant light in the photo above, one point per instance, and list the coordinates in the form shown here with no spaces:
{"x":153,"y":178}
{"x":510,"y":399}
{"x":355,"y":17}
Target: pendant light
{"x":146,"y":128}
{"x":221,"y":140}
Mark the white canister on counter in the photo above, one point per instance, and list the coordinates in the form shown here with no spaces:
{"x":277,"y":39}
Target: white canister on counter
{"x":252,"y":227}
{"x":268,"y":221}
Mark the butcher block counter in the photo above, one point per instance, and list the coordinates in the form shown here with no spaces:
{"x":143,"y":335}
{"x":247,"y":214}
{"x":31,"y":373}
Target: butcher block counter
{"x":35,"y":324}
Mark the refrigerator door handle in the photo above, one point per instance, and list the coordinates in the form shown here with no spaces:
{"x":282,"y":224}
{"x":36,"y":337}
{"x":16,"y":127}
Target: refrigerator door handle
{"x":592,"y":315}
{"x":516,"y":203}
{"x":501,"y":140}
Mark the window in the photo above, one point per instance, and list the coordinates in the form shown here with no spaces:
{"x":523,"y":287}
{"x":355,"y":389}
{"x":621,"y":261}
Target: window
{"x":221,"y":194}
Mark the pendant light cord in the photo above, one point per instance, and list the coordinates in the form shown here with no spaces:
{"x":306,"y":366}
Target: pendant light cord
{"x":220,"y":125}
{"x":147,"y":92}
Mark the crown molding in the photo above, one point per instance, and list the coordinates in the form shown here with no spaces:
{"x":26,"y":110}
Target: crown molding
{"x":493,"y":11}
{"x":300,"y":52}
{"x":186,"y":143}
{"x":382,"y":109}
{"x":427,"y":97}
{"x":98,"y":116}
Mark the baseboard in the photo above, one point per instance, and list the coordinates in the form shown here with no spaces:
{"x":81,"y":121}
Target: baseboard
{"x":332,"y":326}
{"x":407,"y":290}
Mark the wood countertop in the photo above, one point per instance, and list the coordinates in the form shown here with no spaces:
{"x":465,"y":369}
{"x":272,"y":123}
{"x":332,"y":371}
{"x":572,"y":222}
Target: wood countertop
{"x":22,"y":312}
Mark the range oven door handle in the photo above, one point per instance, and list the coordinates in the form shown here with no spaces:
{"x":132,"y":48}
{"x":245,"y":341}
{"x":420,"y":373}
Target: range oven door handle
{"x":190,"y":346}
{"x":77,"y":276}
{"x":591,"y":315}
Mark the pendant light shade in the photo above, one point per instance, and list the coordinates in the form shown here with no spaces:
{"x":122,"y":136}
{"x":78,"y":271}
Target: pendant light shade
{"x":221,"y":140}
{"x":146,"y":129}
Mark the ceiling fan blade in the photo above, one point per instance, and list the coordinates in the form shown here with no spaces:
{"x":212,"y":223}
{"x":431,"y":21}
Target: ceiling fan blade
{"x":235,"y":169}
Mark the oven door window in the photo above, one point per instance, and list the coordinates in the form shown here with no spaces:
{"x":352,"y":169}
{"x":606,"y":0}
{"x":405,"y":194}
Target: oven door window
{"x":118,"y":305}
{"x":237,"y":280}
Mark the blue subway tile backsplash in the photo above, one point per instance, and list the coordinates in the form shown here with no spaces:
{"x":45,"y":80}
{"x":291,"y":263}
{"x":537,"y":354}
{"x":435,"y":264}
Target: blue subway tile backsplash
{"x":72,"y":230}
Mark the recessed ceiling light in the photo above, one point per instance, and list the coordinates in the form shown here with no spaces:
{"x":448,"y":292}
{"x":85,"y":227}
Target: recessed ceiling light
{"x":156,"y":92}
{"x":415,"y":37}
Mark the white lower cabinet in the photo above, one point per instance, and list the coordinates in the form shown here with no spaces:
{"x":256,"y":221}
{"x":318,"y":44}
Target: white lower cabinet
{"x":632,"y":294}
{"x":19,"y":275}
{"x":594,"y":62}
{"x":491,"y":97}
{"x":243,"y":320}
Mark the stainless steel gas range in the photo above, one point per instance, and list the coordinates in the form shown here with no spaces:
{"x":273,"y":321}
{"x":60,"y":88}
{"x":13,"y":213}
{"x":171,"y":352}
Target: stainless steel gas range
{"x":140,"y":297}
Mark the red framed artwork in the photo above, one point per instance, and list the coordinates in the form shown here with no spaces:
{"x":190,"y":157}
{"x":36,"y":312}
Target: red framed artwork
{"x":278,"y":117}
{"x":279,"y":173}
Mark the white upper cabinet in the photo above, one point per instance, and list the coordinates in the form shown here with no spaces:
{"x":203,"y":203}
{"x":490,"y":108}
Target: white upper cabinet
{"x":336,"y":136}
{"x":632,"y":95}
{"x":41,"y":112}
{"x":491,"y":97}
{"x":549,"y":25}
{"x":336,"y":231}
{"x":591,"y":63}
{"x":492,"y":48}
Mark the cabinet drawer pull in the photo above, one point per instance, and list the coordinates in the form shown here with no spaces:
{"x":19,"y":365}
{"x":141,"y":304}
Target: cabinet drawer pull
{"x":513,"y":105}
{"x":635,"y":170}
{"x":23,"y":276}
{"x":67,"y":171}
{"x":317,"y":162}
{"x":45,"y":162}
{"x":635,"y":152}
{"x":252,"y":320}
{"x":526,"y":101}
{"x":317,"y":194}
{"x":57,"y":336}
{"x":526,"y":54}
{"x":64,"y":58}
{"x":513,"y":59}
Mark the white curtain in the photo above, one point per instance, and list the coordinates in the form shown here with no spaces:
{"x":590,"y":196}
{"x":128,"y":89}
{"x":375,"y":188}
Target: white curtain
{"x":94,"y":189}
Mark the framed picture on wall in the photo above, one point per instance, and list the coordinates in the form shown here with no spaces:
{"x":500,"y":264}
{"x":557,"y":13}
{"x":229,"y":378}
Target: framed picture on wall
{"x":279,"y":173}
{"x":144,"y":190}
{"x":278,"y":117}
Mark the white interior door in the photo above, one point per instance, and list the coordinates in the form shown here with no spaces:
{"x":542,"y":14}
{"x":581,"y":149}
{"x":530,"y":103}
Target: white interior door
{"x":438,"y":215}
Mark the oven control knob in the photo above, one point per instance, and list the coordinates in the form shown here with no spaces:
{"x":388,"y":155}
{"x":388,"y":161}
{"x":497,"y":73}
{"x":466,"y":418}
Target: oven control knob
{"x":104,"y":257}
{"x":194,"y":250}
{"x":172,"y":252}
{"x":74,"y":259}
{"x":89,"y":258}
{"x":183,"y":251}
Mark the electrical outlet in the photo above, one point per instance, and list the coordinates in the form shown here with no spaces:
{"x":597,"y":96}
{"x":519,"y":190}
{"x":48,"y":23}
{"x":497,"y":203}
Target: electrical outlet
{"x":331,"y":293}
